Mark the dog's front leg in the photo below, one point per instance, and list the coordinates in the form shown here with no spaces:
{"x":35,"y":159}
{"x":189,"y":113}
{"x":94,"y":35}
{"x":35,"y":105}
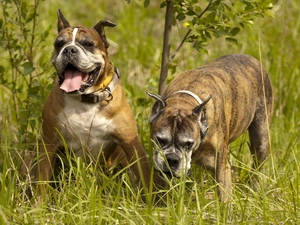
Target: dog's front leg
{"x":137,"y":158}
{"x":223,"y":174}
{"x":43,"y":169}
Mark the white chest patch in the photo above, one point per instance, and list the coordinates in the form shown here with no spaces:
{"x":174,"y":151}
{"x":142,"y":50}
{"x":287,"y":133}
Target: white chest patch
{"x":83,"y":129}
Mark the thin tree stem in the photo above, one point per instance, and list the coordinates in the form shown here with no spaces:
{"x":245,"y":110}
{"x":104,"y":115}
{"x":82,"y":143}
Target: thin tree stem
{"x":166,"y":47}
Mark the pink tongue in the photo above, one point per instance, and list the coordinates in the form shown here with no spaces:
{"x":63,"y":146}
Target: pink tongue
{"x":73,"y":80}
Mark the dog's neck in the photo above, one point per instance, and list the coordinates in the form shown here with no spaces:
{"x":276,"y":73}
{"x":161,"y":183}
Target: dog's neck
{"x":196,"y":97}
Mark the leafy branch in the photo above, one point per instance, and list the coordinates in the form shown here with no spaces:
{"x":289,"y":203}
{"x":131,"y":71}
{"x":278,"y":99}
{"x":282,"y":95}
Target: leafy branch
{"x":23,"y":64}
{"x":219,"y":18}
{"x":188,"y":33}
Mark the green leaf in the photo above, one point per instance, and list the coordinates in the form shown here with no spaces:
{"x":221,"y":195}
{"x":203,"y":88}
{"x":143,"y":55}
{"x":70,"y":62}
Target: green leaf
{"x":163,"y":4}
{"x":270,"y":13}
{"x":180,"y":17}
{"x":234,"y":31}
{"x":232,"y":40}
{"x":198,"y":10}
{"x":226,"y":6}
{"x":200,"y":47}
{"x":190,"y":13}
{"x":28,"y":68}
{"x":146,"y":3}
{"x":242,"y":25}
{"x":210,"y":18}
{"x":238,"y":7}
{"x":30,"y":17}
{"x":2,"y":69}
{"x":249,"y":7}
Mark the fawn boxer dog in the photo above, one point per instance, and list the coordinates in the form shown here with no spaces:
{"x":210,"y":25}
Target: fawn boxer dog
{"x":87,"y":108}
{"x":203,"y":110}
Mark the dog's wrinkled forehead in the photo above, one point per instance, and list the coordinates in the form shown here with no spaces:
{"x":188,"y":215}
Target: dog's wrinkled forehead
{"x":87,"y":38}
{"x":177,"y":120}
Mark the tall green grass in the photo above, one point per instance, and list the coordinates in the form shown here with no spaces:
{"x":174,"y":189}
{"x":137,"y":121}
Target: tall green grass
{"x":89,"y":194}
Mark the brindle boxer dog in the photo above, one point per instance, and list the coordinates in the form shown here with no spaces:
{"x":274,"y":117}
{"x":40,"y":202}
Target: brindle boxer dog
{"x":203,"y":110}
{"x":87,"y":107}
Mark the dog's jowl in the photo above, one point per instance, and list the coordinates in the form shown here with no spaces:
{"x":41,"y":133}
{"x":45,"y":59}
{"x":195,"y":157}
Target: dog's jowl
{"x":203,"y":110}
{"x":87,"y":108}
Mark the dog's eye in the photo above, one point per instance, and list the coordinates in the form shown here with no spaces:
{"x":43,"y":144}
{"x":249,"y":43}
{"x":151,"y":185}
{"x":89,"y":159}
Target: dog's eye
{"x":188,"y":144}
{"x":161,"y":141}
{"x":59,"y":43}
{"x":88,"y":43}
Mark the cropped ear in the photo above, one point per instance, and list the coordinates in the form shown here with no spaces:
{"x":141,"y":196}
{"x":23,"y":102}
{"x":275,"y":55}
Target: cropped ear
{"x":200,"y":112}
{"x":158,"y":106}
{"x":99,"y":27}
{"x":62,"y":22}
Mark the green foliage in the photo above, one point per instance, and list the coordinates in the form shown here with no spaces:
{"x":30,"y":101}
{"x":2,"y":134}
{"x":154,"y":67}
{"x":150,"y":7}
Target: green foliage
{"x":146,"y":2}
{"x":218,"y":18}
{"x":25,"y":63}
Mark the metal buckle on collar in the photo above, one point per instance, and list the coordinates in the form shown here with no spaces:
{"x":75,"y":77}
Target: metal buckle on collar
{"x":110,"y":95}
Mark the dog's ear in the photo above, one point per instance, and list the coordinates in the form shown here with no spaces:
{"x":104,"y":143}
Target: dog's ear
{"x":200,"y":112}
{"x":99,"y":27}
{"x":158,"y":106}
{"x":62,"y":21}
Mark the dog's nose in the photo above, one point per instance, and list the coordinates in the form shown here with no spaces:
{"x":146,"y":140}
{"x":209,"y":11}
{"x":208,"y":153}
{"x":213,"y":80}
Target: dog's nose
{"x":173,"y":160}
{"x":70,"y":50}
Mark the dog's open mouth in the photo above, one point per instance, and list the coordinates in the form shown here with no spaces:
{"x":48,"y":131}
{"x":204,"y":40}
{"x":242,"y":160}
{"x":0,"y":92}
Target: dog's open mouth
{"x":72,"y":79}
